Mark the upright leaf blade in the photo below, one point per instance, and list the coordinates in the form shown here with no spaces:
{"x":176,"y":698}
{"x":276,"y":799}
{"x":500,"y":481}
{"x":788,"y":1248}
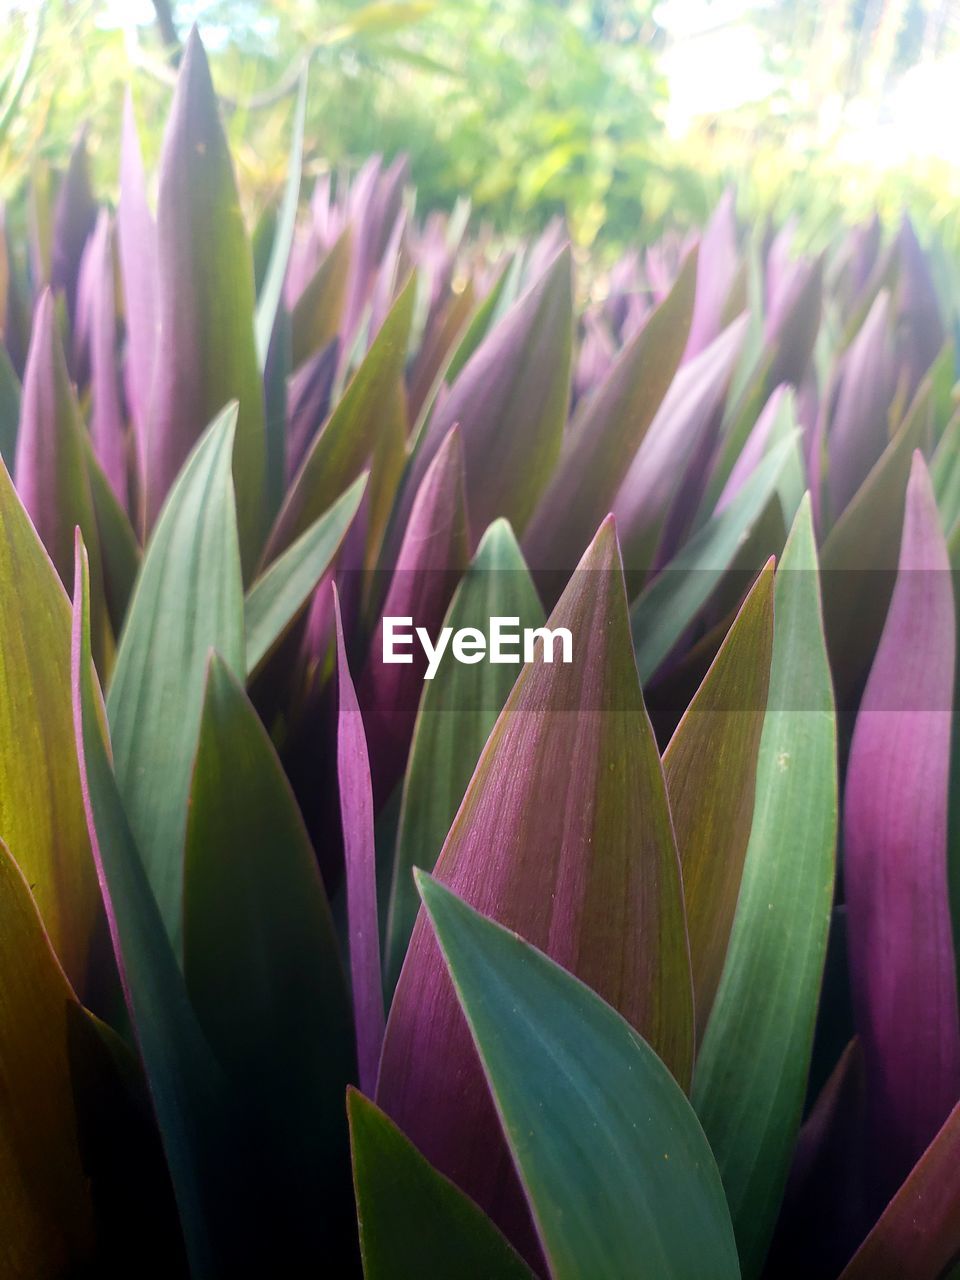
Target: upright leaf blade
{"x":279,"y":594}
{"x":206,"y":355}
{"x":188,"y":599}
{"x":603,"y":438}
{"x":191,"y":1100}
{"x":360,"y":858}
{"x":41,"y":808}
{"x":458,"y":709}
{"x":413,"y":1220}
{"x":564,"y":834}
{"x":751,"y":1071}
{"x":262,"y":965}
{"x":672,"y":600}
{"x":613,"y":1161}
{"x":895,"y":849}
{"x":710,"y":769}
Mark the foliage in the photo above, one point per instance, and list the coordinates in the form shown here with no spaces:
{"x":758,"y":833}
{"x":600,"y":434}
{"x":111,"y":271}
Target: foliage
{"x":587,"y":1037}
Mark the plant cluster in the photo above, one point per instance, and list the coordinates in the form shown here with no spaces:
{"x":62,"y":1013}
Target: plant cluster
{"x":309,"y":963}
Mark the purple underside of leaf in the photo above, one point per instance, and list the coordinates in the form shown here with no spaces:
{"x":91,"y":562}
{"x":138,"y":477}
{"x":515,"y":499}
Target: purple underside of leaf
{"x":50,"y":473}
{"x":73,"y":220}
{"x":716,"y":270}
{"x":106,"y":414}
{"x":564,"y":835}
{"x":601,"y":442}
{"x":753,"y":450}
{"x":137,"y":243}
{"x":205,"y":354}
{"x":510,"y":403}
{"x":917,"y":306}
{"x":901,"y":948}
{"x":674,"y":434}
{"x":858,"y":430}
{"x":308,"y":402}
{"x":432,"y":558}
{"x":356,"y":813}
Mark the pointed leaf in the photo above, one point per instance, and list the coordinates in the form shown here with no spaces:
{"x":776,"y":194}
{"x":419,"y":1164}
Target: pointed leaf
{"x":612,"y":1158}
{"x":206,"y":355}
{"x":344,"y":447}
{"x":360,"y":859}
{"x":261,"y":961}
{"x":895,"y":869}
{"x":672,"y":600}
{"x":187,"y":600}
{"x":413,"y":1220}
{"x":191,"y":1100}
{"x":41,"y":808}
{"x":315,"y":319}
{"x":74,"y":215}
{"x":710,"y":766}
{"x":458,"y":709}
{"x":429,"y":565}
{"x":50,"y":473}
{"x":564,"y":834}
{"x":107,"y":427}
{"x":607,"y":431}
{"x":278,"y":595}
{"x":510,"y":402}
{"x":751,"y":1072}
{"x":859,"y":555}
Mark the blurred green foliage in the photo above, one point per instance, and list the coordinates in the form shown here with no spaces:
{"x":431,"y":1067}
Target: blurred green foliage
{"x":532,"y":107}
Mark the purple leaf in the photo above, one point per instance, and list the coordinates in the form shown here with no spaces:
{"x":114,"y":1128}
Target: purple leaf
{"x":716,"y":272}
{"x":510,"y":403}
{"x":606,"y":433}
{"x":858,"y":431}
{"x":356,"y":813}
{"x":107,"y":428}
{"x":753,"y":450}
{"x":74,"y":216}
{"x":681,"y":422}
{"x":206,"y":355}
{"x":563,"y":835}
{"x":895,"y":838}
{"x":431,"y":560}
{"x":50,"y":473}
{"x":918,"y":311}
{"x":308,"y":402}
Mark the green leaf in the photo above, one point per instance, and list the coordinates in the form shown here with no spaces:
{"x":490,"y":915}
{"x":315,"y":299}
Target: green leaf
{"x":262,"y":965}
{"x":859,"y":557}
{"x":343,"y":448}
{"x":458,"y":709}
{"x":46,"y":1210}
{"x":710,"y":767}
{"x":272,"y":288}
{"x":315,"y":318}
{"x":41,"y":808}
{"x":283,"y":589}
{"x":187,"y":600}
{"x":414,"y":1222}
{"x":201,"y":1134}
{"x":751,"y":1074}
{"x":612,"y":1158}
{"x":672,"y":600}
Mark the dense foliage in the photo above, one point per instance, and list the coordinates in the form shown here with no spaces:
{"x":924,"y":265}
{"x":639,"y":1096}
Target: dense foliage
{"x":307,"y":961}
